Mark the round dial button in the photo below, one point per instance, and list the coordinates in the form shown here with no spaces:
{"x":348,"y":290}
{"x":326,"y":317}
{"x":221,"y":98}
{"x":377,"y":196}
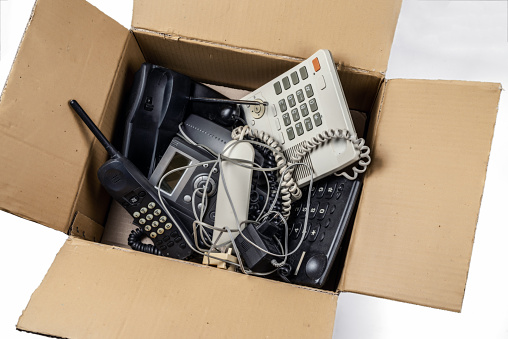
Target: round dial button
{"x":153,"y":235}
{"x":136,"y":214}
{"x":148,"y":228}
{"x":143,"y":210}
{"x":200,"y":182}
{"x":155,"y":223}
{"x":257,"y":111}
{"x":149,"y":217}
{"x":157,"y":212}
{"x":151,"y":205}
{"x":160,"y":230}
{"x":168,"y":226}
{"x":163,"y":219}
{"x":142,"y":221}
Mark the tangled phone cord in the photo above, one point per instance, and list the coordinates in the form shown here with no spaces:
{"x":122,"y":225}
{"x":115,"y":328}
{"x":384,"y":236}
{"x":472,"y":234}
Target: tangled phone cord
{"x":269,"y":162}
{"x":289,"y":190}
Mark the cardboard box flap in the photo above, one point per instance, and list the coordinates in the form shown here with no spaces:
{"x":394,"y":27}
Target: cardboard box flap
{"x":94,"y":290}
{"x":358,"y":33}
{"x":416,"y":221}
{"x":69,"y":50}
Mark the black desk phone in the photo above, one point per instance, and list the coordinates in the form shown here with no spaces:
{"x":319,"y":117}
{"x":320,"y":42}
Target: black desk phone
{"x":332,"y":205}
{"x":160,"y":100}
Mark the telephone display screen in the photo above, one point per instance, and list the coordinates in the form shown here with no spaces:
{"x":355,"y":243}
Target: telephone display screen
{"x":169,"y":183}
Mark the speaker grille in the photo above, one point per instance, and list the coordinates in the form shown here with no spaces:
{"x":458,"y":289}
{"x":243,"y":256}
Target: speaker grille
{"x":301,"y":172}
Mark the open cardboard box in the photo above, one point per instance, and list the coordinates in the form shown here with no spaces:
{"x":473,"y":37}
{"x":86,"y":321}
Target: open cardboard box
{"x":416,"y":219}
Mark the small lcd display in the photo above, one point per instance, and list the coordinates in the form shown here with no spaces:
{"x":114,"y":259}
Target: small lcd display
{"x":169,"y":183}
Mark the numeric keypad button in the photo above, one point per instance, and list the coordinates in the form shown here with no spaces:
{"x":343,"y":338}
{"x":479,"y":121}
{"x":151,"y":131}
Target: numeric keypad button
{"x":313,"y":105}
{"x":291,"y":100}
{"x":309,"y":91}
{"x":299,"y":128}
{"x":304,"y":109}
{"x":286,"y":119}
{"x":277,"y":88}
{"x":295,"y":115}
{"x":291,"y":133}
{"x":299,"y":95}
{"x":285,"y":83}
{"x":282,"y":105}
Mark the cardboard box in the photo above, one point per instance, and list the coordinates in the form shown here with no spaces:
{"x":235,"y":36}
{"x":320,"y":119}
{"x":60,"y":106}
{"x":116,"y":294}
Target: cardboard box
{"x":415,"y":226}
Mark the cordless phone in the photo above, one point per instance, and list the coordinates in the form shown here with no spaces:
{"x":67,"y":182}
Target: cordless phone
{"x":127,"y":185}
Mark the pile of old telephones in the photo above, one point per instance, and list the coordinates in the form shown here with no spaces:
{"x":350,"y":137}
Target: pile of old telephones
{"x":203,"y":183}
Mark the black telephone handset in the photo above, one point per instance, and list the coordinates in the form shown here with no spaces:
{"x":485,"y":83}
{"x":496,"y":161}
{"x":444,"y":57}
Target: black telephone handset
{"x":159,"y":101}
{"x":127,"y":185}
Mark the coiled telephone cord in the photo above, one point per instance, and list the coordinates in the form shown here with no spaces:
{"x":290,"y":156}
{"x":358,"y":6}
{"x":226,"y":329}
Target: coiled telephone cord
{"x":308,"y":146}
{"x":289,"y":190}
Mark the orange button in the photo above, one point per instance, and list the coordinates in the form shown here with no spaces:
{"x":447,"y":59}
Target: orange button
{"x":316,"y":64}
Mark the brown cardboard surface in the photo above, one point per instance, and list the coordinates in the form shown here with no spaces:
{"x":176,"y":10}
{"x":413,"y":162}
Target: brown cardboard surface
{"x":92,"y":199}
{"x":416,"y":221}
{"x":69,"y":50}
{"x":220,"y":65}
{"x":96,"y":291}
{"x":85,"y":228}
{"x":234,"y":67}
{"x":359,"y":33}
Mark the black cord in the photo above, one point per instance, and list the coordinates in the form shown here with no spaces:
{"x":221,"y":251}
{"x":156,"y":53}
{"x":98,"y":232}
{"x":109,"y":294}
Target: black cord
{"x":135,"y":243}
{"x":269,"y":162}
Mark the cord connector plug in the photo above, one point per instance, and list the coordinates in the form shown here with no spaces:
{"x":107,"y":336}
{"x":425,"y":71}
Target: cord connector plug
{"x":219,"y":260}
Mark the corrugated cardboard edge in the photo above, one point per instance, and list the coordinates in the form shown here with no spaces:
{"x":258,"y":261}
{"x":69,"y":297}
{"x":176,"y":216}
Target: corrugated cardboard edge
{"x":95,"y":141}
{"x":39,"y":15}
{"x":260,"y":52}
{"x":78,"y":298}
{"x":131,"y":57}
{"x":85,"y":228}
{"x":335,"y":26}
{"x":214,"y":44}
{"x":344,"y":285}
{"x":5,"y":86}
{"x":19,"y":47}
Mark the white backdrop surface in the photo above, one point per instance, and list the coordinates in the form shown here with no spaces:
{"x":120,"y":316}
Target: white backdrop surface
{"x":459,"y":40}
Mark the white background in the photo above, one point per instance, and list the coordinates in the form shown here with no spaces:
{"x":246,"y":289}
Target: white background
{"x":462,"y":40}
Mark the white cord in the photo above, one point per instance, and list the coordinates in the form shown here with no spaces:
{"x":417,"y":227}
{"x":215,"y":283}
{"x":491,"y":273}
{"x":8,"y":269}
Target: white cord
{"x":290,"y":191}
{"x":284,"y":169}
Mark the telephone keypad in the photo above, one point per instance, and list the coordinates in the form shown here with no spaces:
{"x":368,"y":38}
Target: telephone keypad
{"x":328,"y":219}
{"x":158,"y":229}
{"x":289,"y":97}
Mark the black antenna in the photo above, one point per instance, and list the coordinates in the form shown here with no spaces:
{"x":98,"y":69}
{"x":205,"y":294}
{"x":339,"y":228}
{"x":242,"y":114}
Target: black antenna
{"x":113,"y":153}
